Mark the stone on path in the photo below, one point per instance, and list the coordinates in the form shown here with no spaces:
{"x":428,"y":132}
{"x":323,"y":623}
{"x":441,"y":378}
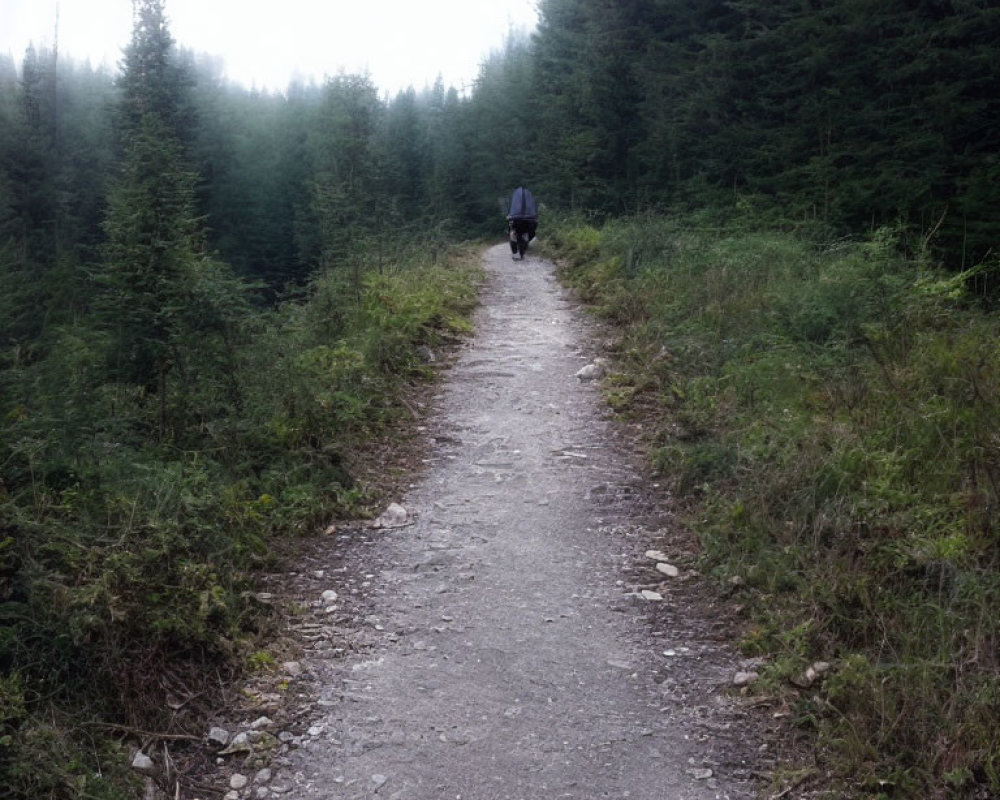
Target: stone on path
{"x":395,"y":516}
{"x":745,"y":678}
{"x":238,"y":781}
{"x":239,"y":744}
{"x":668,"y":569}
{"x":143,"y":763}
{"x":292,"y":668}
{"x":590,"y":372}
{"x":218,"y":737}
{"x":649,"y":594}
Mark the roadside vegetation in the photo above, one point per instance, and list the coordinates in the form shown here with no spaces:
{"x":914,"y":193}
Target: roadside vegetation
{"x":827,"y":413}
{"x":169,"y":423}
{"x":132,"y":524}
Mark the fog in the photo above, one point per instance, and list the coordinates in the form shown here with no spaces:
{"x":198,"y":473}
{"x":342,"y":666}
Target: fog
{"x":399,"y":42}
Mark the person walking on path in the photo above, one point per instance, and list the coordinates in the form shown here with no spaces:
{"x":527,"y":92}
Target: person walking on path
{"x":522,"y":221}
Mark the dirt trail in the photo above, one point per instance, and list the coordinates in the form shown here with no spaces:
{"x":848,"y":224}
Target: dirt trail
{"x":506,"y":652}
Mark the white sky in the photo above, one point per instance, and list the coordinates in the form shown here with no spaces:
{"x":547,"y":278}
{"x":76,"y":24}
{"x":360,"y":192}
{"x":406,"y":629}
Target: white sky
{"x":399,"y":42}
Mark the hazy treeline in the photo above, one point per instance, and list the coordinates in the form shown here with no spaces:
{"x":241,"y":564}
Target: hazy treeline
{"x":285,"y":182}
{"x":855,"y":113}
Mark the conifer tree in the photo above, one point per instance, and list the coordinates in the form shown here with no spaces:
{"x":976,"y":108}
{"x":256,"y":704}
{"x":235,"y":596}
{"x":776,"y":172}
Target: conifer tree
{"x":163,"y":294}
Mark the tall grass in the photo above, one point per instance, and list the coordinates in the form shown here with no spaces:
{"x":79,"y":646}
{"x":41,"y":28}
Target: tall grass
{"x":828,"y":412}
{"x":127,"y":558}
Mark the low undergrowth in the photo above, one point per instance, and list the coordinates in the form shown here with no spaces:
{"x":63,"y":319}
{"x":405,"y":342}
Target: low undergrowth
{"x":829,"y":411}
{"x":132,"y":520}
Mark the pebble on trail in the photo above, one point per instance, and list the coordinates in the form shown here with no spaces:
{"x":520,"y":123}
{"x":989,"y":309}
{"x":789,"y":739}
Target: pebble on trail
{"x":143,"y":763}
{"x":591,"y":371}
{"x":395,"y":516}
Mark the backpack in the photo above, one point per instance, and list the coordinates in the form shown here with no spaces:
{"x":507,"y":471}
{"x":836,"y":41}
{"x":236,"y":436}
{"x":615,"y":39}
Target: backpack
{"x":522,"y":204}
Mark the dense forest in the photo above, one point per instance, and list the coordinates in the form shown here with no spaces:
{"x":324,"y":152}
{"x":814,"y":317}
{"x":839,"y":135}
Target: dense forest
{"x":209,"y":296}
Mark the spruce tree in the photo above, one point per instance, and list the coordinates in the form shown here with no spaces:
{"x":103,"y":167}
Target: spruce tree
{"x":164,"y":298}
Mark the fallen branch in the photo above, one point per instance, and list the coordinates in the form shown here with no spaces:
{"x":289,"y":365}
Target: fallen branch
{"x":145,"y":734}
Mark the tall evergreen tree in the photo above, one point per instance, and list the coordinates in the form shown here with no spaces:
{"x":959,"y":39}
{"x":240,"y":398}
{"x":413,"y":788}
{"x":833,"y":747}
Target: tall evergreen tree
{"x":164,"y":298}
{"x":153,"y":79}
{"x":344,"y":162}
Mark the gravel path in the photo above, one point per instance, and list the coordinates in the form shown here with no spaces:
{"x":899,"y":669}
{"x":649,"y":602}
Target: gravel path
{"x":506,"y":651}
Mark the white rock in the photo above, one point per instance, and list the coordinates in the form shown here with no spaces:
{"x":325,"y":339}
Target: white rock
{"x":232,"y":795}
{"x":261,"y":722}
{"x":394,"y":516}
{"x":218,"y":737}
{"x":239,"y":744}
{"x":657,"y":555}
{"x":811,"y":675}
{"x":649,"y":594}
{"x":263,"y":776}
{"x":316,"y":730}
{"x":668,"y":569}
{"x":701,"y":774}
{"x":378,"y":780}
{"x":238,"y":781}
{"x":292,"y":668}
{"x":329,"y":596}
{"x":590,"y":372}
{"x":745,"y":678}
{"x":143,"y":763}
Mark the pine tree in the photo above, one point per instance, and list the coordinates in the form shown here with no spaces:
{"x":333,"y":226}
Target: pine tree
{"x":344,"y":163}
{"x":153,"y":79}
{"x":165,"y":300}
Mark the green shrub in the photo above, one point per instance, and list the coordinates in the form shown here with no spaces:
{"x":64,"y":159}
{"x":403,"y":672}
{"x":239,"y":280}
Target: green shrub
{"x":134,"y":519}
{"x":828,"y":414}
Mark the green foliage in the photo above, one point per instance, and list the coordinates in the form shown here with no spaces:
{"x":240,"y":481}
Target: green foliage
{"x":125,"y":559}
{"x":161,"y":436}
{"x":828,"y":414}
{"x":848,"y":115}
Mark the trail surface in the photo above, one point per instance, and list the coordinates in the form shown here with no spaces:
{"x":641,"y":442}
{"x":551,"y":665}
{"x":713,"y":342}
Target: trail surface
{"x":506,"y":651}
